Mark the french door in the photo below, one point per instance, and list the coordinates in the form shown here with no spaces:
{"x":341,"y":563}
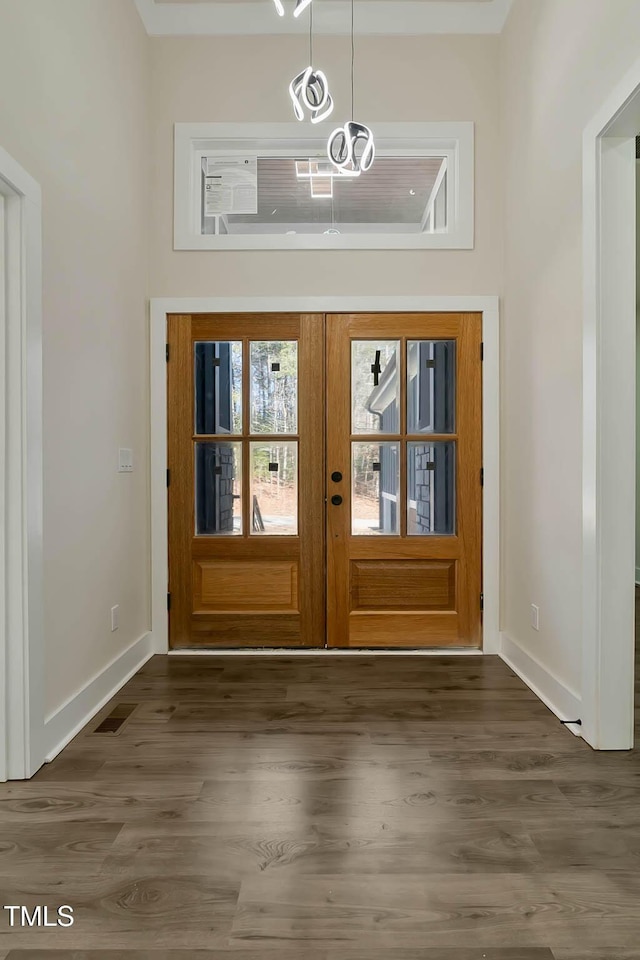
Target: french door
{"x":404,"y":480}
{"x":324,"y":480}
{"x":246,"y":481}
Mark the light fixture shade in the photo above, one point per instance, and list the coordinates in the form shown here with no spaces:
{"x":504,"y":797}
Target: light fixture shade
{"x":343,"y":152}
{"x":310,"y":91}
{"x":300,"y":6}
{"x":279,"y":7}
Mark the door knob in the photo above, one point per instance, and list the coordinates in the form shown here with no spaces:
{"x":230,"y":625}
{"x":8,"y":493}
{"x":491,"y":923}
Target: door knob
{"x":336,"y":476}
{"x":336,"y":500}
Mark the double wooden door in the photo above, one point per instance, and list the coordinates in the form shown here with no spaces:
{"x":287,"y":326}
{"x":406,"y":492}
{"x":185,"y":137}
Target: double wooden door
{"x":325,"y":480}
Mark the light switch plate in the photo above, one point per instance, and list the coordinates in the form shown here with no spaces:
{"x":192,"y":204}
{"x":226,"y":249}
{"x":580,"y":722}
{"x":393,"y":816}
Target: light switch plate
{"x":535,"y":616}
{"x":125,"y":460}
{"x":115,"y":617}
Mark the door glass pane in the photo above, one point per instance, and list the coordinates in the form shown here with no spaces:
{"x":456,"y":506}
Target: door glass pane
{"x":431,"y":489}
{"x":375,"y":472}
{"x":274,"y":488}
{"x":217,"y":379}
{"x":375,"y":381}
{"x":431,"y":386}
{"x":218,"y":489}
{"x":274,"y":386}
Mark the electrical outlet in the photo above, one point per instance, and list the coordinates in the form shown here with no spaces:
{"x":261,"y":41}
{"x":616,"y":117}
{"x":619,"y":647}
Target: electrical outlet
{"x":125,"y":460}
{"x":115,"y":617}
{"x":535,"y":616}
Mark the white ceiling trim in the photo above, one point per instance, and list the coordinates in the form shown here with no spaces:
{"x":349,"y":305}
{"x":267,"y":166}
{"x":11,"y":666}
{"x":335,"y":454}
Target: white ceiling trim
{"x":392,"y":18}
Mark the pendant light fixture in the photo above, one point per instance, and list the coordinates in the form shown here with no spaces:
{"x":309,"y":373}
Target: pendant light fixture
{"x":351,"y":148}
{"x":309,"y":91}
{"x":300,"y":6}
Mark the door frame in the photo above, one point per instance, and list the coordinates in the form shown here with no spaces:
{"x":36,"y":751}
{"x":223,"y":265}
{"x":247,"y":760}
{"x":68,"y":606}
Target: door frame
{"x":488,"y":306}
{"x":21,"y":588}
{"x":609,"y":417}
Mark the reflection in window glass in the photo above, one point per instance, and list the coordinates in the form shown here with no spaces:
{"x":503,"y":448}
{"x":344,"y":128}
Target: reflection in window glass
{"x":375,"y":382}
{"x":274,"y":386}
{"x":375,"y":489}
{"x":218,"y":490}
{"x":274,"y":488}
{"x":308,"y":195}
{"x":217,"y":378}
{"x":431,"y":386}
{"x":431,"y":489}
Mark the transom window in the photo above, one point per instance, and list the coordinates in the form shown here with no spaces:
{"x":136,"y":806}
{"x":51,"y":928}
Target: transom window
{"x":272,"y":187}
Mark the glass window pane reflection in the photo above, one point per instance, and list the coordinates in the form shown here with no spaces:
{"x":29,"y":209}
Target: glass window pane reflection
{"x":431,"y":386}
{"x":274,"y":386}
{"x":217,"y":378}
{"x":375,"y":383}
{"x":218,"y":490}
{"x":431,"y":489}
{"x":375,"y":489}
{"x":274,"y":488}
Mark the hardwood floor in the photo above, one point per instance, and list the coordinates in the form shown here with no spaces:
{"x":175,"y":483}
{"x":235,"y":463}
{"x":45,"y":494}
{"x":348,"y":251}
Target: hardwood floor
{"x":326,"y":809}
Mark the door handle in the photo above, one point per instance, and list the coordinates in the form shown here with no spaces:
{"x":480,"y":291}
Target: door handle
{"x":336,"y":500}
{"x":336,"y":476}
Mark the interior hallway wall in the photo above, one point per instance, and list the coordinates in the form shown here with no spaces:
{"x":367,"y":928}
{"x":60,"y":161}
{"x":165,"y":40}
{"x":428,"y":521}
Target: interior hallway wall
{"x":235,"y":79}
{"x":561,"y":58}
{"x":74,"y":114}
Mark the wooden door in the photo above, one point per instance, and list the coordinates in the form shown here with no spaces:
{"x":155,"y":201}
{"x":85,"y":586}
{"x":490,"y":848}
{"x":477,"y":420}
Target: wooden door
{"x":404,"y":427}
{"x":246,"y":480}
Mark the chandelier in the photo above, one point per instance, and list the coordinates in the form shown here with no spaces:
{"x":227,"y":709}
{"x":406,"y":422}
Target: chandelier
{"x":351,"y":147}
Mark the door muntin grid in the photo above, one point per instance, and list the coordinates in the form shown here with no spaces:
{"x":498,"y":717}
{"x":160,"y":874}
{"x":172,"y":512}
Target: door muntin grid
{"x":246,"y":445}
{"x":404,"y":486}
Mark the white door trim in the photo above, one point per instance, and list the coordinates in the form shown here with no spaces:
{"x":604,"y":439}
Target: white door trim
{"x":608,"y":494}
{"x":488,"y":306}
{"x":21,"y":597}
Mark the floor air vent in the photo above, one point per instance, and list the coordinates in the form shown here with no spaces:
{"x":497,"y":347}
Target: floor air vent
{"x":113,"y":723}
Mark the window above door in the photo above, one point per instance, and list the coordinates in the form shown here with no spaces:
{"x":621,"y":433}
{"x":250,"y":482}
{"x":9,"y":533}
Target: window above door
{"x":271,"y":187}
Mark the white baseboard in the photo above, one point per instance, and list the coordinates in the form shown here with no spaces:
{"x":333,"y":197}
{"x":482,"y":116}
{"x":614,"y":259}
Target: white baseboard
{"x":324,"y":652}
{"x":60,"y":727}
{"x":565,"y":703}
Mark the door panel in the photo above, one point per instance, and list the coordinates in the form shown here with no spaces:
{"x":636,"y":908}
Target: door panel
{"x":404,"y":427}
{"x":246,"y":494}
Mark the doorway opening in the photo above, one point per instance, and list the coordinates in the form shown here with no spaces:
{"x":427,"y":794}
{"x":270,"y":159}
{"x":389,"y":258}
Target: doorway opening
{"x":325,"y":490}
{"x":609,"y":418}
{"x":21,"y":620}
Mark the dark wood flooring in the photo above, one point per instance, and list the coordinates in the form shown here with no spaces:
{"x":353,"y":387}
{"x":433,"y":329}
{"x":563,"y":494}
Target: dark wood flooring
{"x":281,"y":808}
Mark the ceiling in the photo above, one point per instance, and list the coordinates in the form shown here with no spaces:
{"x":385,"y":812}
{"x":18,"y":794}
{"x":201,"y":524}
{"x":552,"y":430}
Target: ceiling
{"x":373,"y":17}
{"x":377,"y":1}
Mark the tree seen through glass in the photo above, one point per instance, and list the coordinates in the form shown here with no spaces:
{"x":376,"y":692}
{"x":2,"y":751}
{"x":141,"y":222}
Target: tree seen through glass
{"x":274,"y":410}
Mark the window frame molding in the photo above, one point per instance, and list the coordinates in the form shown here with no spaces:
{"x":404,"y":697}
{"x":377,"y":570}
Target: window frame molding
{"x":454,"y":140}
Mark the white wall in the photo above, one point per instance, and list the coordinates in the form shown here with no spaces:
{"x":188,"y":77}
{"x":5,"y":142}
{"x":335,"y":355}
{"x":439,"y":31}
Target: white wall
{"x":246,"y":79}
{"x":560,"y":59}
{"x":74,"y":113}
